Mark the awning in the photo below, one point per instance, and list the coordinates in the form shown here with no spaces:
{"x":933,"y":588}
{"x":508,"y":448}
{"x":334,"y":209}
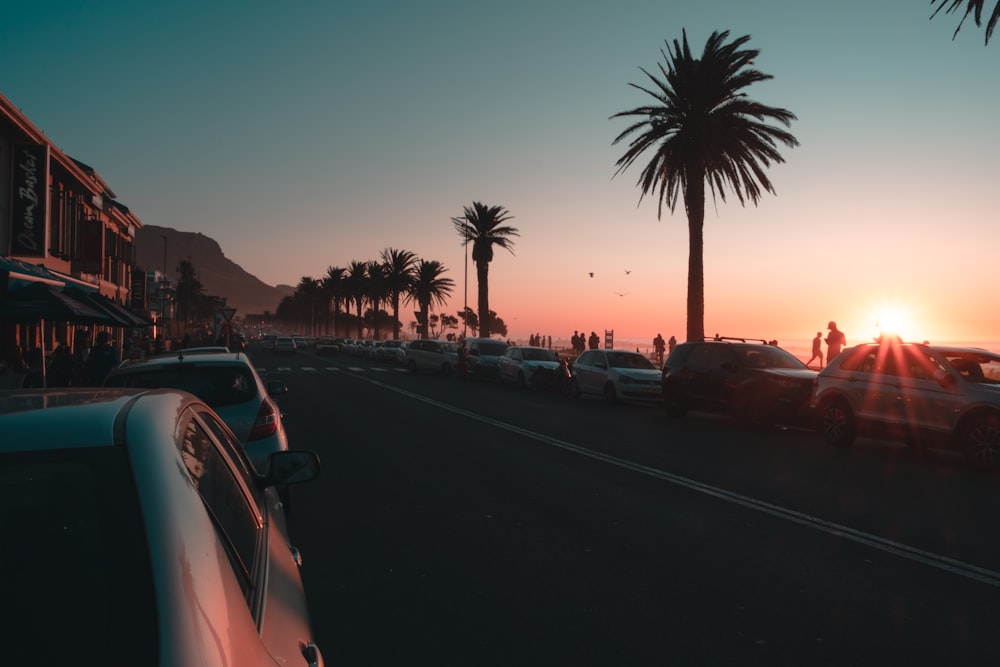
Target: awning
{"x":38,"y":301}
{"x":29,"y":273}
{"x":120,"y":314}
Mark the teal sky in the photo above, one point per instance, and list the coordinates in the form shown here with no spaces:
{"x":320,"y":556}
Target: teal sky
{"x":302,"y":135}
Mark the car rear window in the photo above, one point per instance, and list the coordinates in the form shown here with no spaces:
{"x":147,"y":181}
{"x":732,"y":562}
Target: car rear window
{"x":492,"y":348}
{"x":74,"y":563}
{"x":218,"y":386}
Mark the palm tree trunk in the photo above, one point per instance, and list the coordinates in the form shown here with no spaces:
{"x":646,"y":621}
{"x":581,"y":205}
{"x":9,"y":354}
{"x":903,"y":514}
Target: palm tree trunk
{"x":483,"y":277}
{"x":694,"y":201}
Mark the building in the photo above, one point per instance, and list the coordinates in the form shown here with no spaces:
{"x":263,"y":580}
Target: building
{"x":61,"y":225}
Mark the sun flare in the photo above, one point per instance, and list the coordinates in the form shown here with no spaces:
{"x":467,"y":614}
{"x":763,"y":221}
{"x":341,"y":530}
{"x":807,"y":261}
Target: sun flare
{"x":895,"y":320}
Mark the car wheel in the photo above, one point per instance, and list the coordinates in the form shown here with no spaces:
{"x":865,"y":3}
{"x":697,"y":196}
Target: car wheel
{"x":981,"y":439}
{"x":574,"y":388}
{"x":837,"y":424}
{"x":609,"y":393}
{"x":412,"y":366}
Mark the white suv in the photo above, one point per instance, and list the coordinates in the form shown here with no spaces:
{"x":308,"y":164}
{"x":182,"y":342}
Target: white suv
{"x":228,"y":383}
{"x":924,"y":395}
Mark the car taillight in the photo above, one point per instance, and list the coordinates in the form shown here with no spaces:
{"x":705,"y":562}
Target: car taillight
{"x":266,"y":423}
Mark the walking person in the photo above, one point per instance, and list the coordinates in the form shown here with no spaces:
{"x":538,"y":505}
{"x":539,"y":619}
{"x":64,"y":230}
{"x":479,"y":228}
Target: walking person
{"x":660,"y":346}
{"x":103,"y":357}
{"x":835,"y":341}
{"x":817,"y":352}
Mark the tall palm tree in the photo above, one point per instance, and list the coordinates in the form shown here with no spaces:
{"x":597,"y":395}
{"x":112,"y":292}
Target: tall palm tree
{"x":974,"y":7}
{"x":356,"y":282}
{"x":430,"y":287}
{"x":377,"y":293}
{"x":333,"y":287}
{"x":703,"y":128}
{"x":399,"y":266}
{"x":484,"y":227}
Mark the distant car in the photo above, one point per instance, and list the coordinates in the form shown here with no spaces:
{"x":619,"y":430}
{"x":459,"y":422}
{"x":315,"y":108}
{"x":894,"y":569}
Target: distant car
{"x":285,"y":345}
{"x":301,"y":342}
{"x":136,"y":532}
{"x":267,"y":342}
{"x":519,"y":364}
{"x":752,"y":381}
{"x":431,"y":355}
{"x":925,"y":395}
{"x":228,"y":383}
{"x":615,"y":375}
{"x":387,"y":351}
{"x":482,"y":354}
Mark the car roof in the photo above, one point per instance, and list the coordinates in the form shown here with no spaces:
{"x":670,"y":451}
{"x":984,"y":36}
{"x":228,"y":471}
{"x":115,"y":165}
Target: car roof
{"x":74,"y":417}
{"x":204,"y":357}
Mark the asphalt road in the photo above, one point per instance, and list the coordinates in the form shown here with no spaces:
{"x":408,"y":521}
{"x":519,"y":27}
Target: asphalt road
{"x":461,"y":523}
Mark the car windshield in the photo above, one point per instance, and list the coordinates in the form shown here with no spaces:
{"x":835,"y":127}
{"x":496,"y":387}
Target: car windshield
{"x":768,"y":356}
{"x":629,"y":360}
{"x":539,"y":355}
{"x":73,"y":560}
{"x":218,"y":386}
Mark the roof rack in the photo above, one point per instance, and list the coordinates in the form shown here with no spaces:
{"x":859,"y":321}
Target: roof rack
{"x":736,"y":338}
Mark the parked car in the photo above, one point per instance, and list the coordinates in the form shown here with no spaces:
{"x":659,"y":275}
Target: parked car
{"x":753,"y":381}
{"x":519,"y":364}
{"x":387,"y":351}
{"x":228,"y":383}
{"x":482,"y":354}
{"x":301,"y":342}
{"x":925,"y":395}
{"x":431,"y":355}
{"x":615,"y":374}
{"x":136,"y":532}
{"x":267,"y":342}
{"x":284,"y":345}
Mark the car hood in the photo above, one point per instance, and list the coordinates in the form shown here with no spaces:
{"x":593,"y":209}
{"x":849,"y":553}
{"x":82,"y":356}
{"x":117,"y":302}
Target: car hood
{"x":541,"y":363}
{"x":639,"y":373}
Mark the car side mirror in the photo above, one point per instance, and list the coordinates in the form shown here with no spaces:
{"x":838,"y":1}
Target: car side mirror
{"x":276,"y":388}
{"x":291,"y":467}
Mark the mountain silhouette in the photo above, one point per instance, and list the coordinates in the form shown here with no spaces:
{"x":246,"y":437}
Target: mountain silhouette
{"x":219,"y":275}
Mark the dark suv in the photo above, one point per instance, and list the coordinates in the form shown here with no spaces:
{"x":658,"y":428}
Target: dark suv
{"x":924,"y":395}
{"x":753,"y":381}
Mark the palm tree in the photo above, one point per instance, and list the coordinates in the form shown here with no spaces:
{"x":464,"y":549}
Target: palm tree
{"x":377,"y":293}
{"x":974,"y":7}
{"x":484,"y":227}
{"x":333,"y":287}
{"x":356,"y":282}
{"x":703,"y":129}
{"x":430,"y":287}
{"x":399,"y":266}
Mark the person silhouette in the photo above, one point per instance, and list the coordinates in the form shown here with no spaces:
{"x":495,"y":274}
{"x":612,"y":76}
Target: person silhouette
{"x":659,"y":345}
{"x":835,"y":341}
{"x":817,"y":350}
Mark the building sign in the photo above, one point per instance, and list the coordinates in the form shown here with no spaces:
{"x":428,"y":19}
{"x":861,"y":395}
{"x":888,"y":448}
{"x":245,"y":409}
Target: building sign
{"x":29,"y":223}
{"x":137,"y":292}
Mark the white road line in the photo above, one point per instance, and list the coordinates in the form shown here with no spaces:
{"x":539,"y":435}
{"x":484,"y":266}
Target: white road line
{"x":937,"y":561}
{"x":308,"y":368}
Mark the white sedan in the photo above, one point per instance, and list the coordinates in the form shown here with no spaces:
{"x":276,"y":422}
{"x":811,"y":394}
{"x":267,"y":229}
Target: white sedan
{"x":518,"y":364}
{"x":616,"y":375}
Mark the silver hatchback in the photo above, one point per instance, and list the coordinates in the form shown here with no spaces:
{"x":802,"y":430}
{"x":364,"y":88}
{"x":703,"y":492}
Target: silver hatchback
{"x":136,"y":532}
{"x":229,"y":383}
{"x":924,"y":395}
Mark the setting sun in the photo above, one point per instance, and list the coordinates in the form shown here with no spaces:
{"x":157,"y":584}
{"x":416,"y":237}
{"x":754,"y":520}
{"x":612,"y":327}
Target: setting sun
{"x":893,"y":319}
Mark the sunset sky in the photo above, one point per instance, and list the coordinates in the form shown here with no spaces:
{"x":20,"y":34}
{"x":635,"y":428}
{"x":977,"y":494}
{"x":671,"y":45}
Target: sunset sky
{"x":303,"y":135}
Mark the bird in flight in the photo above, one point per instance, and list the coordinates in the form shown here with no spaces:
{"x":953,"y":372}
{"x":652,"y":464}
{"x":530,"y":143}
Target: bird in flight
{"x":591,"y":274}
{"x":628,"y":271}
{"x":622,"y":293}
